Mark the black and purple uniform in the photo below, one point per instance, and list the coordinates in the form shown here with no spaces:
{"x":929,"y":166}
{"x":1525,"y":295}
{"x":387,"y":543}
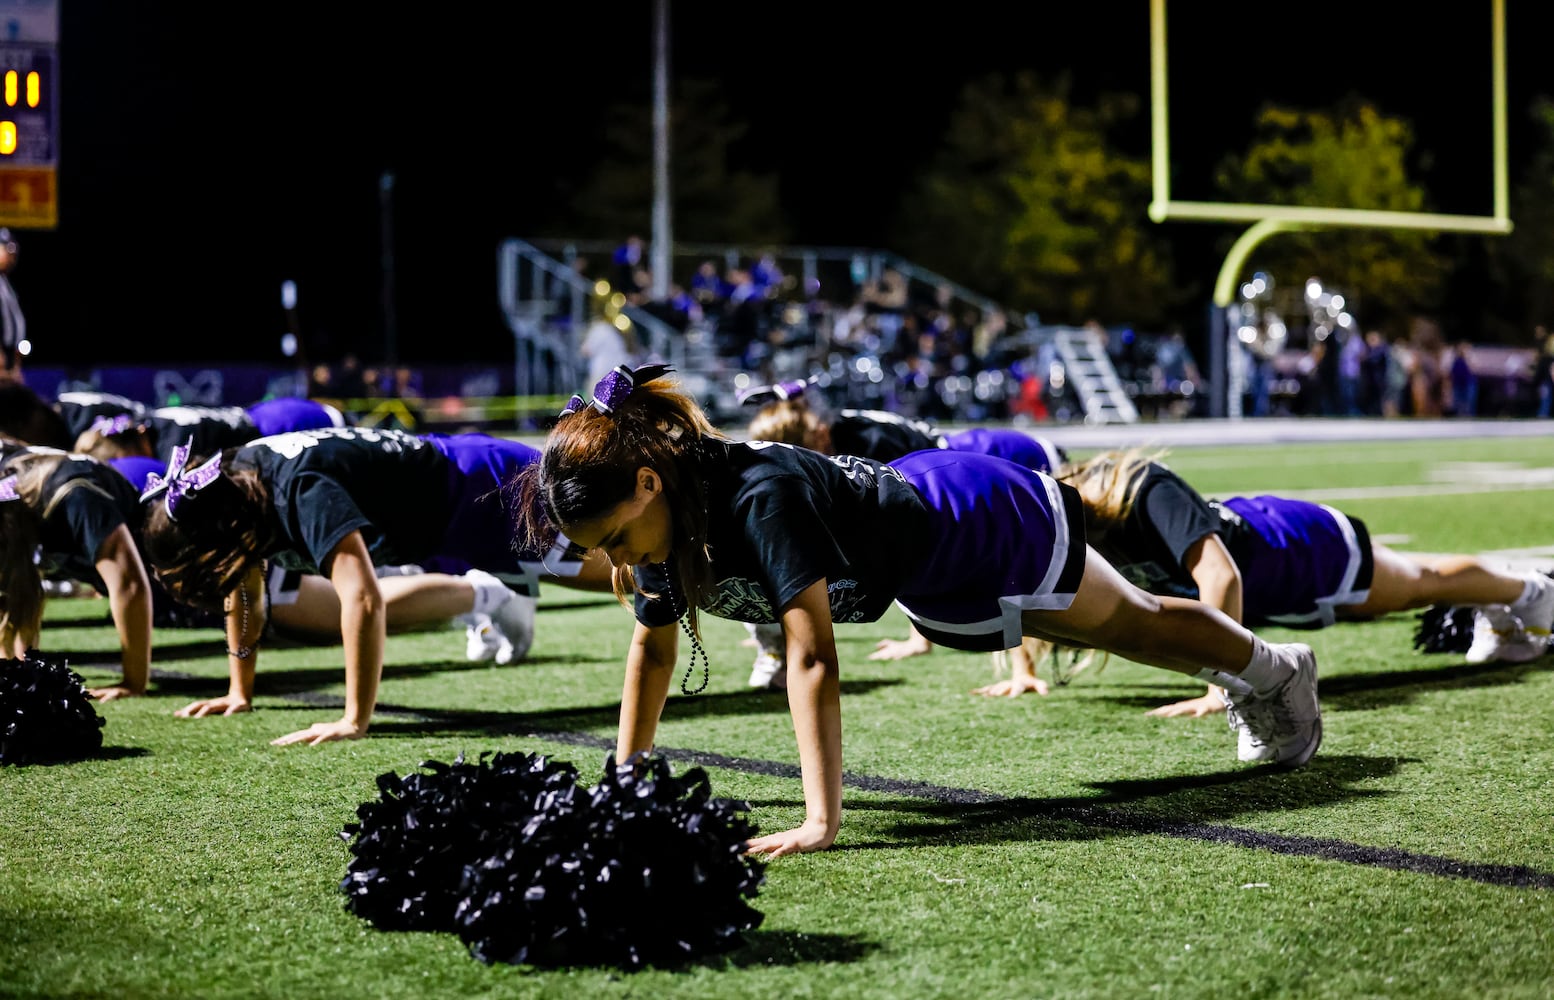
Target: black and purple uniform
{"x":435,"y":501}
{"x":885,"y":437}
{"x":962,"y":542}
{"x":215,"y":428}
{"x":1298,"y":560}
{"x":81,"y":409}
{"x":82,"y":502}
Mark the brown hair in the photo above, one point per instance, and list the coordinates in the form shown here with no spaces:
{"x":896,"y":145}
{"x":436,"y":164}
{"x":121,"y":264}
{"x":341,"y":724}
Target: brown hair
{"x":135,"y":440}
{"x":589,"y":466}
{"x":220,"y":532}
{"x":788,"y":421}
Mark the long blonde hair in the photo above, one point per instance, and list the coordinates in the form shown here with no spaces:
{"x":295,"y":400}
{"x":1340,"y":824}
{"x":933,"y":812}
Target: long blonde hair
{"x":1108,"y":483}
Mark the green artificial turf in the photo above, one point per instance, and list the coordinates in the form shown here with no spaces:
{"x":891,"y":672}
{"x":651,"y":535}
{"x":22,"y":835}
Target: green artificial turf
{"x":1066,"y":846}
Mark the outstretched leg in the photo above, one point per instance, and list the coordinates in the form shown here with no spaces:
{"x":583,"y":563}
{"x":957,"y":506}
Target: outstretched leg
{"x":1272,"y":688}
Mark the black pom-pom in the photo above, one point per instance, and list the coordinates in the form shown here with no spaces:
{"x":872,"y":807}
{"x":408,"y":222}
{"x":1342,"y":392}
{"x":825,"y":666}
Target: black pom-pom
{"x":413,"y":843}
{"x":1444,"y":628}
{"x":641,"y":869}
{"x":46,"y":716}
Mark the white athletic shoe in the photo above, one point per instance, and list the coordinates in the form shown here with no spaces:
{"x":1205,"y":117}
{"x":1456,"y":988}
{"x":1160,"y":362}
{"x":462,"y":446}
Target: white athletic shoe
{"x":1284,"y":725}
{"x":514,"y":623}
{"x":1498,"y":637}
{"x":1537,"y":613}
{"x":482,"y":642}
{"x":769,"y":673}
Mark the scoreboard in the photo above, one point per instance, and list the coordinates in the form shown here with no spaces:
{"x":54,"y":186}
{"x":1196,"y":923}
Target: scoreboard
{"x":29,"y":122}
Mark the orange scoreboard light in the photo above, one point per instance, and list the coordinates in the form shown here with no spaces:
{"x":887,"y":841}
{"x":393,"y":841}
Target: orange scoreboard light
{"x":29,"y":135}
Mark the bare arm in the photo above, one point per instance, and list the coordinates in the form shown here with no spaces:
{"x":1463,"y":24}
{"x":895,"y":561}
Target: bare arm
{"x":815,"y":702}
{"x":363,"y":628}
{"x":1219,"y":585}
{"x":129,"y":598}
{"x":244,"y":626}
{"x":649,"y":668}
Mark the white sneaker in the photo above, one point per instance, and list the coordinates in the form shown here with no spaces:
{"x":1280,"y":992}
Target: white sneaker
{"x":1284,"y":725}
{"x":1498,"y":637}
{"x":1537,"y":614}
{"x":514,"y":623}
{"x":769,"y":673}
{"x":483,"y":642}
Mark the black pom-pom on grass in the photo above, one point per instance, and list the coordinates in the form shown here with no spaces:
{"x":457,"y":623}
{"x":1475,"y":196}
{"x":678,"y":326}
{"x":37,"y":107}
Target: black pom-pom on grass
{"x":1444,"y":628}
{"x":46,"y":716}
{"x":529,"y":867}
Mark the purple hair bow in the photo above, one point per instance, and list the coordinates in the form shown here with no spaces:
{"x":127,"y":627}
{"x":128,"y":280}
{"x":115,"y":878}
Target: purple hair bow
{"x":8,"y":489}
{"x":109,"y":426}
{"x":760,"y":394}
{"x":177,"y":483}
{"x":612,"y":390}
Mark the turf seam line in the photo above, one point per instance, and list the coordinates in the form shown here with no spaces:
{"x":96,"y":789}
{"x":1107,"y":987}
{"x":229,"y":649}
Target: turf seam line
{"x":1103,"y":817}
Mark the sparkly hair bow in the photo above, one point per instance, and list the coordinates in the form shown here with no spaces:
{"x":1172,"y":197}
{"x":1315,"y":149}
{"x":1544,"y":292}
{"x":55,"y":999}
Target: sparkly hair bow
{"x":177,"y":483}
{"x":613,"y":389}
{"x":109,"y":426}
{"x":8,"y":489}
{"x":761,"y":394}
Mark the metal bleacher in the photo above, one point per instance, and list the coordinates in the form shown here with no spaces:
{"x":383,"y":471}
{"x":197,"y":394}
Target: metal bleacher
{"x":548,"y":303}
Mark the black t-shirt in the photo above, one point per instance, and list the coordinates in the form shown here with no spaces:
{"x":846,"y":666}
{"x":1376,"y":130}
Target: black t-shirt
{"x":1148,"y":547}
{"x":393,"y":487}
{"x":90,"y":500}
{"x":212,"y":428}
{"x":879,"y":435}
{"x":781,"y":518}
{"x":81,"y":408}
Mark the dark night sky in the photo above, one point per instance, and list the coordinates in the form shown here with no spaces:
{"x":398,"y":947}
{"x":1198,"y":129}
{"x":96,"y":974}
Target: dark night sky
{"x":205,"y":159}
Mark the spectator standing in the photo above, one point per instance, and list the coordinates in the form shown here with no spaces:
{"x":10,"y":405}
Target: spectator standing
{"x":1351,"y":373}
{"x":1463,"y":382}
{"x":1543,"y":369}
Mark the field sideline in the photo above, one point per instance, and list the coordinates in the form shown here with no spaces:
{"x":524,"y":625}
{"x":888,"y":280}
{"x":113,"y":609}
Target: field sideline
{"x":1066,"y":846}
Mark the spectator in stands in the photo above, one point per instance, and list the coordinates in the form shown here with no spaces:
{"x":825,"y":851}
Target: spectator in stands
{"x":708,"y":287}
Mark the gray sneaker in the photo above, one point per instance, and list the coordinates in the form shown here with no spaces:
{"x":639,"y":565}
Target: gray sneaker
{"x":1284,"y":725}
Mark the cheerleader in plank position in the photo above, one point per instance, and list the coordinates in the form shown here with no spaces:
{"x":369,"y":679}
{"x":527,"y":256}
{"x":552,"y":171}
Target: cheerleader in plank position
{"x":975,"y":549}
{"x":337,"y":503}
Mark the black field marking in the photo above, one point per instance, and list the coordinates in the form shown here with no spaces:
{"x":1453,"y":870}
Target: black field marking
{"x":1100,"y":817}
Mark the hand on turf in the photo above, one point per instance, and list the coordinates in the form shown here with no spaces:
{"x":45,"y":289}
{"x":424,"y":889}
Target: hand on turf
{"x":323,"y":732}
{"x":225,"y":705}
{"x":812,"y":836}
{"x":1210,"y":703}
{"x":113,"y":692}
{"x":900,"y":649}
{"x":1013,"y":688}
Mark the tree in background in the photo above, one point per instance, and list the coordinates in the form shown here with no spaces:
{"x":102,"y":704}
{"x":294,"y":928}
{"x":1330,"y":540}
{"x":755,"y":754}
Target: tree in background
{"x":1029,"y":201}
{"x":710,"y":201}
{"x":1522,"y":263}
{"x":1354,"y":157}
